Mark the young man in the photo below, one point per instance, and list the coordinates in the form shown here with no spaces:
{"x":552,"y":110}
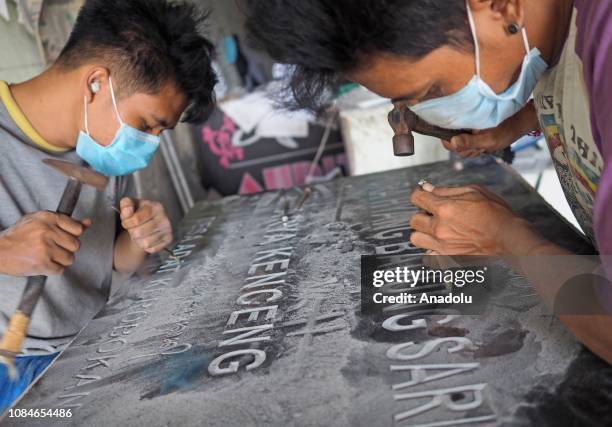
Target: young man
{"x":474,"y":65}
{"x":130,"y":69}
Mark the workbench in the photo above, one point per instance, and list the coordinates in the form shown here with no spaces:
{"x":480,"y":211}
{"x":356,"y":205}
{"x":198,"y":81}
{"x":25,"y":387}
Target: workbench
{"x":259,"y":323}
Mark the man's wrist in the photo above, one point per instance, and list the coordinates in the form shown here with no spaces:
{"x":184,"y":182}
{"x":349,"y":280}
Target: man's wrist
{"x":521,"y":239}
{"x":2,"y":256}
{"x":128,"y":255}
{"x":519,"y":125}
{"x":527,"y":120}
{"x":547,"y":248}
{"x":132,"y":246}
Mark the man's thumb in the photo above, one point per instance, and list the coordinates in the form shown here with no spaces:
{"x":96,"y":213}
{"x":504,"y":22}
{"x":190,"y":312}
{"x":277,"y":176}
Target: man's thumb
{"x":471,"y":142}
{"x":461,"y":142}
{"x":128,"y":207}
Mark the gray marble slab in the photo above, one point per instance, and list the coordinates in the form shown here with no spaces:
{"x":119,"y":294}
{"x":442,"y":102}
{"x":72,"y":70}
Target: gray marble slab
{"x":175,"y":349}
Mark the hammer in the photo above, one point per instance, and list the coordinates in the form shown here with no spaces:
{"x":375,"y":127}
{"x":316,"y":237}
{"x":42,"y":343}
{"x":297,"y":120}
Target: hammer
{"x":12,"y":341}
{"x":404,"y":121}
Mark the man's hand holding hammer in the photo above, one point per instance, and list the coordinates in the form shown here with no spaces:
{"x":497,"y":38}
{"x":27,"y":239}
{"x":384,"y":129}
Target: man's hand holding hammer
{"x":41,"y":243}
{"x":147,"y":230}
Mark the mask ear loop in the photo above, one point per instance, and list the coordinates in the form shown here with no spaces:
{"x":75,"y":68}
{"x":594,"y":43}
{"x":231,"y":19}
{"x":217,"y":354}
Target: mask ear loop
{"x":477,"y":48}
{"x":86,"y":115}
{"x":473,"y":28}
{"x":526,"y":40}
{"x":110,"y":81}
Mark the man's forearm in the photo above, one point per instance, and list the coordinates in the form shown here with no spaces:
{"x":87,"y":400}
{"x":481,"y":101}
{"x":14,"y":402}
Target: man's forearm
{"x":524,"y":121}
{"x":128,"y":257}
{"x":592,"y":331}
{"x":552,"y":269}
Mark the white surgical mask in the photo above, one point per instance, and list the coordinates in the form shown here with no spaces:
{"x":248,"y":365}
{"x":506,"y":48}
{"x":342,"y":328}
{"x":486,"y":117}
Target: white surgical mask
{"x":477,"y":106}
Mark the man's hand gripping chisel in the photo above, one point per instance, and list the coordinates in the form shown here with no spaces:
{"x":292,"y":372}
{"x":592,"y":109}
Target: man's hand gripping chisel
{"x":12,"y":341}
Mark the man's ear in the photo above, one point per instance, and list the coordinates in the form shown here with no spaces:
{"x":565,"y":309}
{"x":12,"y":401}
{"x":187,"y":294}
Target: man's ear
{"x":512,"y":12}
{"x":96,"y":78}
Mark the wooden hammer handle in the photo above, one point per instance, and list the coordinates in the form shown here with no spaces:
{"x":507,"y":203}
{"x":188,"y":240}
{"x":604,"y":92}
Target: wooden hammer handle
{"x":14,"y":336}
{"x":12,"y":340}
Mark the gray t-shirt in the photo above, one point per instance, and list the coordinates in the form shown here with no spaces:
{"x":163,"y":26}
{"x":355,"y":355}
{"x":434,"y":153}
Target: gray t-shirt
{"x":27,"y":185}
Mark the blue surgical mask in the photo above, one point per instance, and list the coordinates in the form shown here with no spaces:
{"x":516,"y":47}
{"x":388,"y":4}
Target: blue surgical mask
{"x":477,"y":106}
{"x":131,"y":149}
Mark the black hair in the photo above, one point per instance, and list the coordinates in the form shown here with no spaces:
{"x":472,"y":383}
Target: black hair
{"x":325,"y":39}
{"x":148,"y":43}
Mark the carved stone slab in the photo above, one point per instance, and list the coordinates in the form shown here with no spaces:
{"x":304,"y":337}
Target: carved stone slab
{"x":259,"y":324}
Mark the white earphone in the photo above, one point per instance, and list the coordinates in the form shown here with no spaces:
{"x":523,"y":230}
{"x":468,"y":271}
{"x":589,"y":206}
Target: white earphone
{"x":95,"y":87}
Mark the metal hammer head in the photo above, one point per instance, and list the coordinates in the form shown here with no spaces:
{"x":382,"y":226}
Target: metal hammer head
{"x":403,"y":140}
{"x":82,"y":174}
{"x":404,"y":122}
